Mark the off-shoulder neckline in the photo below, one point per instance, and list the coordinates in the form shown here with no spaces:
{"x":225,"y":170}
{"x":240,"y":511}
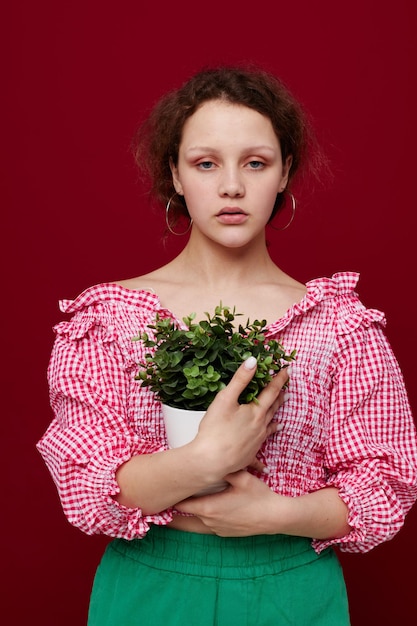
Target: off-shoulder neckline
{"x":318,"y":289}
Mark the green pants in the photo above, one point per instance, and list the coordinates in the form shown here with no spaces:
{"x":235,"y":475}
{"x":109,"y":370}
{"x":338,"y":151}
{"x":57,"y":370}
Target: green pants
{"x":173,"y":578}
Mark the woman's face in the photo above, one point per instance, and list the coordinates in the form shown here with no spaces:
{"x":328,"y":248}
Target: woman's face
{"x":229,"y":171}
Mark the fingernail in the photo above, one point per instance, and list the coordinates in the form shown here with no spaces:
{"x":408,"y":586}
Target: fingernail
{"x":250,"y":363}
{"x":289,"y":370}
{"x":286,"y":396}
{"x":279,"y":428}
{"x":265,"y":470}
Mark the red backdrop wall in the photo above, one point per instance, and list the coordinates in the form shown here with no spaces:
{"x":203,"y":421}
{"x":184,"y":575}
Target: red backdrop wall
{"x":78,"y":78}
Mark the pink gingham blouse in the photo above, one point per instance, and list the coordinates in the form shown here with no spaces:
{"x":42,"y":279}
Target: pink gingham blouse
{"x":347,"y":422}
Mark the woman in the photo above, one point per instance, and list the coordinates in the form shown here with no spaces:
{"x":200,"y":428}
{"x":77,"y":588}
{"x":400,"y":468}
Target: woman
{"x":338,"y":451}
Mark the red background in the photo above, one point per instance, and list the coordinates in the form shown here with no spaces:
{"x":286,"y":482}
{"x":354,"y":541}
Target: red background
{"x":77,"y":78}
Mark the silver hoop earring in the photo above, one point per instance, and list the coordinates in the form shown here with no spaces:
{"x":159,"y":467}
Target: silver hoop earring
{"x":167,"y":218}
{"x":293,"y":208}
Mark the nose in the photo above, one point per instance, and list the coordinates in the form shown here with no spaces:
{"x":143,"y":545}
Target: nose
{"x":231,"y":184}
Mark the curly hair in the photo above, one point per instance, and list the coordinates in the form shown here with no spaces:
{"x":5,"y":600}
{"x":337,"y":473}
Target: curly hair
{"x":157,"y":140}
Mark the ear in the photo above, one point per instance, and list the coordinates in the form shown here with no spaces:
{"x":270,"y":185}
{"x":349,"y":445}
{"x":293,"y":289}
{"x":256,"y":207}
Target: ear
{"x":175,"y":177}
{"x":286,"y":171}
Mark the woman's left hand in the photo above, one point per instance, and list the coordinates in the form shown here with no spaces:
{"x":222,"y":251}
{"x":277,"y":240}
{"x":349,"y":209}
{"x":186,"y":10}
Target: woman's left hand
{"x":238,"y":511}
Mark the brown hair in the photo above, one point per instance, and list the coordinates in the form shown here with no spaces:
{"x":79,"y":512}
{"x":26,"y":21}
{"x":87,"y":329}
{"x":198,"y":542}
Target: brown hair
{"x":158,"y":139}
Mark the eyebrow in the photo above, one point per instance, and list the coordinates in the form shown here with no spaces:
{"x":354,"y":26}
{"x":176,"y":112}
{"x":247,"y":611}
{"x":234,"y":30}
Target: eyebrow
{"x":251,"y":149}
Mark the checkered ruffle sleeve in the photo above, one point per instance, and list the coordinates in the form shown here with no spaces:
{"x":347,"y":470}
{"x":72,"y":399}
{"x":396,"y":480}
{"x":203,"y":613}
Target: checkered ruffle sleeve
{"x":94,"y":401}
{"x":371,"y":453}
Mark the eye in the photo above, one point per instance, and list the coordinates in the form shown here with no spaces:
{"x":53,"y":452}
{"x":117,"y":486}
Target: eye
{"x":256,"y":165}
{"x":205,"y":165}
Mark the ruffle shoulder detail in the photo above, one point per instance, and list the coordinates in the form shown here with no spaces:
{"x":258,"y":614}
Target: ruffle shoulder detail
{"x":350,"y":311}
{"x":113,"y":313}
{"x":337,"y":296}
{"x":111,"y":293}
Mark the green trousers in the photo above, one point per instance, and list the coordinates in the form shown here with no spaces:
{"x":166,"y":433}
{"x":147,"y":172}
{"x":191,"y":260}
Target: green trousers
{"x":173,"y":578}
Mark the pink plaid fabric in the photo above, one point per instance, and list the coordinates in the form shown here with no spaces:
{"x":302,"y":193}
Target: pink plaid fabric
{"x":347,"y":422}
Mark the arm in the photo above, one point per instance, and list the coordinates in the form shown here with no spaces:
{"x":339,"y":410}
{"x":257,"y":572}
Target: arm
{"x":249,"y":507}
{"x":371,"y":462}
{"x":93,"y":434}
{"x":371,"y":455}
{"x":228,"y":439}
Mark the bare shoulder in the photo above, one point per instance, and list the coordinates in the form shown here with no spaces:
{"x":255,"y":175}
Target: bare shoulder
{"x":293,"y":288}
{"x":135,"y":284}
{"x":151,"y":281}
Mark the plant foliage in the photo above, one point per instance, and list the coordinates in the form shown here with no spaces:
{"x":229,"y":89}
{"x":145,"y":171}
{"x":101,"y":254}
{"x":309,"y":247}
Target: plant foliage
{"x":187,"y":367}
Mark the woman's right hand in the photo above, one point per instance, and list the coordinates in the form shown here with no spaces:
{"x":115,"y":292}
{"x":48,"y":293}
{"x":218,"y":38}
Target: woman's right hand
{"x":228,"y":439}
{"x":230,"y":433}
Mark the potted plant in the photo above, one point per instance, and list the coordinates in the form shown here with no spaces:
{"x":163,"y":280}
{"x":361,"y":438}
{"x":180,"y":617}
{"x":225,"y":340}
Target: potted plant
{"x":187,"y":366}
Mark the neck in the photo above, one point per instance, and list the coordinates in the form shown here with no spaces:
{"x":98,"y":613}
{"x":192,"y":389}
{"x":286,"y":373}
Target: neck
{"x":217,"y":264}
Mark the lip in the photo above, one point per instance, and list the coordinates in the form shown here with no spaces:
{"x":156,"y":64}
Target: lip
{"x":231,"y":215}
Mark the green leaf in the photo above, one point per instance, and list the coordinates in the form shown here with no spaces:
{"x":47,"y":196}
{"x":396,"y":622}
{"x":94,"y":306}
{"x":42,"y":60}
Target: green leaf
{"x":190,"y":366}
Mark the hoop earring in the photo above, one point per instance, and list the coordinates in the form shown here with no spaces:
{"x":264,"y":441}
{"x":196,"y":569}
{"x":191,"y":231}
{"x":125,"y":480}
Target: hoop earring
{"x":293,"y":208}
{"x":167,"y":218}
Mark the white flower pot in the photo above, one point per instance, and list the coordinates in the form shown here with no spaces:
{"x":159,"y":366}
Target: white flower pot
{"x":181,"y":427}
